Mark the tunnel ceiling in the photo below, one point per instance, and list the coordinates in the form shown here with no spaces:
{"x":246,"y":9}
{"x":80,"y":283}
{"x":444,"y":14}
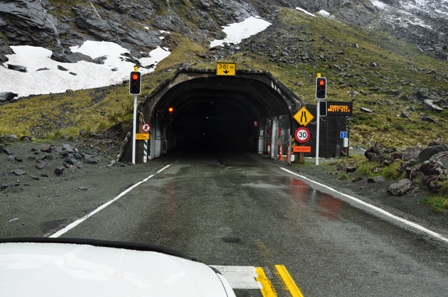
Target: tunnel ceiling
{"x":203,"y":94}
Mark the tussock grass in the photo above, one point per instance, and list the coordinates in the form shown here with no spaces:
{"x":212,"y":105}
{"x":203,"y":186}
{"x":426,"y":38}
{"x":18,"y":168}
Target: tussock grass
{"x":438,"y":204}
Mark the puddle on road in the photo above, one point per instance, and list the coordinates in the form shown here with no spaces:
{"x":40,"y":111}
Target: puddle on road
{"x":327,"y":205}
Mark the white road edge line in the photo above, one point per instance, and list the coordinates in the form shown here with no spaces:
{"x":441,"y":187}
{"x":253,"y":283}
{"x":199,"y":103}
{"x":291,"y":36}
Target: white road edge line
{"x":374,"y":208}
{"x":103,"y":206}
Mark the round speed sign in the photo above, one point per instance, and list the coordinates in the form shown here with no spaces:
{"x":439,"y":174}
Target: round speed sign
{"x":302,"y":134}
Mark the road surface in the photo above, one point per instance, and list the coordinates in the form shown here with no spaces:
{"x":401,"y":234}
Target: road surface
{"x":271,"y":233}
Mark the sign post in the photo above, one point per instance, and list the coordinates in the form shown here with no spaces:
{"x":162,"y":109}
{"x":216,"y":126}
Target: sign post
{"x":302,"y":135}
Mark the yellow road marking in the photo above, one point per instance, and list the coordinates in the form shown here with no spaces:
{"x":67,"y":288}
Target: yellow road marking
{"x":266,"y":286}
{"x":289,"y":282}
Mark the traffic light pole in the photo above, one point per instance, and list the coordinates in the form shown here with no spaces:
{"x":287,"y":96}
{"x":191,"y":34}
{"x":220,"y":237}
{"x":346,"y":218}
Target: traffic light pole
{"x":317,"y":132}
{"x":321,"y":93}
{"x":134,"y":129}
{"x":134,"y":89}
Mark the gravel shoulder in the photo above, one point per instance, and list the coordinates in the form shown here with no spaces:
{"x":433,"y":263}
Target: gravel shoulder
{"x":410,"y":206}
{"x":39,"y":201}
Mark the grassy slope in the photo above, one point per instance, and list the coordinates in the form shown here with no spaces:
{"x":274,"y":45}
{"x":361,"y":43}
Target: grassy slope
{"x":401,"y":68}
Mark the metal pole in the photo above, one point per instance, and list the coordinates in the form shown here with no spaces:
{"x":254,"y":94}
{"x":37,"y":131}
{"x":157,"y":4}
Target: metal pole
{"x":145,"y":151}
{"x":134,"y":128}
{"x":317,"y":132}
{"x":274,"y":139}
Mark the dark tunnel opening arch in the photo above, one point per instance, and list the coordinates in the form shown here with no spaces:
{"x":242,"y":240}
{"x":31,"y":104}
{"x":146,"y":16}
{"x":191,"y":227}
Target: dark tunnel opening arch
{"x":213,"y":112}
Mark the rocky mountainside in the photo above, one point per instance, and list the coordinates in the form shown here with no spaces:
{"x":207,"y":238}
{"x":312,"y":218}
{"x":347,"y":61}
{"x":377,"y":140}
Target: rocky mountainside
{"x":424,"y":23}
{"x":137,"y":24}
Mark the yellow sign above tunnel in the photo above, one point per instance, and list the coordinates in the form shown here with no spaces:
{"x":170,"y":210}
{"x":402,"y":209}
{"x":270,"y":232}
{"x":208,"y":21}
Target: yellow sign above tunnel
{"x":226,"y":69}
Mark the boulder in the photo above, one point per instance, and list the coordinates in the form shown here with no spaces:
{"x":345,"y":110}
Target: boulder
{"x":431,"y":168}
{"x":7,"y":151}
{"x":431,"y":104}
{"x":408,"y":154}
{"x":400,"y":188}
{"x":17,"y":68}
{"x":430,"y":151}
{"x":59,"y":170}
{"x":7,"y":97}
{"x":18,"y":172}
{"x":40,"y":165}
{"x":441,"y":158}
{"x":46,"y":149}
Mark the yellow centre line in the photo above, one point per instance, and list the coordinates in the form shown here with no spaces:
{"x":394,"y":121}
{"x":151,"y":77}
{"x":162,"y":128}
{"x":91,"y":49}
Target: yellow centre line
{"x":289,"y":282}
{"x":267,"y":290}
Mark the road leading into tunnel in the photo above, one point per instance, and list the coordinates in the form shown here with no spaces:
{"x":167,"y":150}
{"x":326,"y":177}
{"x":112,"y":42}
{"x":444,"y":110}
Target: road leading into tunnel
{"x":246,"y":215}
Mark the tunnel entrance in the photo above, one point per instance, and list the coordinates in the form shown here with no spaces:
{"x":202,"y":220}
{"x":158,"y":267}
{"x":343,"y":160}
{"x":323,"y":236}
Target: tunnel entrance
{"x":196,"y":109}
{"x":220,"y":113}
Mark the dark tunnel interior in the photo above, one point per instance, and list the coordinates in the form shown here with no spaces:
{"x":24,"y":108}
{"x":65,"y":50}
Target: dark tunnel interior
{"x":217,"y":113}
{"x":213,"y":124}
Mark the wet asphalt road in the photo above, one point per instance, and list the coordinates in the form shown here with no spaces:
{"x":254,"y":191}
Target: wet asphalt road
{"x":232,"y":210}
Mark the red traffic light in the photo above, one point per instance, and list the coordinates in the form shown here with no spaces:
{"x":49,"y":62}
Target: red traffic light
{"x":135,"y":83}
{"x":170,"y":109}
{"x":321,"y":88}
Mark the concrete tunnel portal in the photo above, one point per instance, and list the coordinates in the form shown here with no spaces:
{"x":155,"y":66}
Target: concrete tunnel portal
{"x":216,"y":113}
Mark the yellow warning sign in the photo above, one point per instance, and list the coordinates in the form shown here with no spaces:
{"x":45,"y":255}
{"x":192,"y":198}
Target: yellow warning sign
{"x":303,"y":116}
{"x":226,"y":69}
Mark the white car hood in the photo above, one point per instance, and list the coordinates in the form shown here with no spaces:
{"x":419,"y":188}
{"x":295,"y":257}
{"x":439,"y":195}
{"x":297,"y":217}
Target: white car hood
{"x":60,"y":269}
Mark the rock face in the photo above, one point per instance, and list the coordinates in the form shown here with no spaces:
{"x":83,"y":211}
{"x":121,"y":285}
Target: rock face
{"x":420,"y":22}
{"x":136,"y":24}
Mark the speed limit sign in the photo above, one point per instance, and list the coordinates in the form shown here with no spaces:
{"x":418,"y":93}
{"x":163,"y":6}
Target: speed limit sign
{"x":302,"y":134}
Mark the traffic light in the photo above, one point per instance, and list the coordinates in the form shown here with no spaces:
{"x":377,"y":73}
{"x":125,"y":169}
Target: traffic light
{"x":323,"y":108}
{"x":135,"y":83}
{"x":321,"y":88}
{"x":170,"y":110}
